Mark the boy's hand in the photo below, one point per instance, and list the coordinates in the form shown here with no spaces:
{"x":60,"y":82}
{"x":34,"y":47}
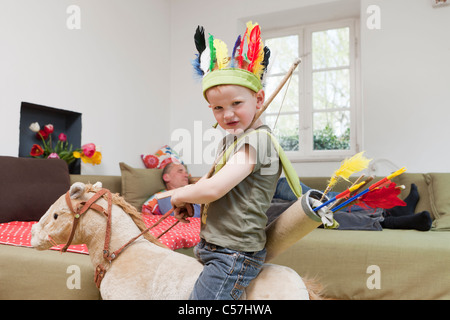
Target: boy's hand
{"x":183,"y":212}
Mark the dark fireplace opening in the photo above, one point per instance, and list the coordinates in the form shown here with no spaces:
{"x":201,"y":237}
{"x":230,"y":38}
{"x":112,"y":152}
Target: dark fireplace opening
{"x":63,"y":121}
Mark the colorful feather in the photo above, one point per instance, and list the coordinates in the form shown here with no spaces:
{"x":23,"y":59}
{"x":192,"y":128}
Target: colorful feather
{"x":233,"y":54}
{"x":374,"y":186}
{"x":200,"y":44}
{"x":197,"y":67}
{"x":348,"y":167}
{"x":250,"y":27}
{"x":212,"y":52}
{"x":385,"y":198}
{"x":246,"y":36}
{"x":221,"y":53}
{"x":255,"y":52}
{"x":206,"y":60}
{"x":241,"y":51}
{"x":265,"y":62}
{"x":199,"y":39}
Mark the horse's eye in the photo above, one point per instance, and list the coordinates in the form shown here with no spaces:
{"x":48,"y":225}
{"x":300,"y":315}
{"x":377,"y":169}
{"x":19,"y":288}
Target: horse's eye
{"x":55,"y":216}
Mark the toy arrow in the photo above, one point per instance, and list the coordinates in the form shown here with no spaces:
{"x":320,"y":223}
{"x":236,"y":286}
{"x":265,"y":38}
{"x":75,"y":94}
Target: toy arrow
{"x":372,"y":187}
{"x":341,"y":195}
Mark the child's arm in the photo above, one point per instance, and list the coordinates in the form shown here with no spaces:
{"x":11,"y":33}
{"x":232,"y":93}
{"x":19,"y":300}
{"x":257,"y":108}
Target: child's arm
{"x":169,"y":193}
{"x":237,"y":168}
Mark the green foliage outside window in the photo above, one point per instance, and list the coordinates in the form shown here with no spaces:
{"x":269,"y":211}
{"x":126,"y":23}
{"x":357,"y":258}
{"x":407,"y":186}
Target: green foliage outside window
{"x":326,"y":139}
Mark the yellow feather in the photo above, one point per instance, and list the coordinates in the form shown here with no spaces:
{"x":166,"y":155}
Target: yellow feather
{"x":221,"y":53}
{"x":348,"y":167}
{"x":259,"y":68}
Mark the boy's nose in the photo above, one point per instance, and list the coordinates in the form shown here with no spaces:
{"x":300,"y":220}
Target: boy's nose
{"x":228,"y":115}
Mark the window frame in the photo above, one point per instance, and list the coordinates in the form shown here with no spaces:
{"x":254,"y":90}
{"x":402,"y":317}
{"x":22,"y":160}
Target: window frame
{"x":306,"y":153}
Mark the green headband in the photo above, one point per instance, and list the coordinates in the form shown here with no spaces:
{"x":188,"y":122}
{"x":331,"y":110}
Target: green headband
{"x":234,"y":76}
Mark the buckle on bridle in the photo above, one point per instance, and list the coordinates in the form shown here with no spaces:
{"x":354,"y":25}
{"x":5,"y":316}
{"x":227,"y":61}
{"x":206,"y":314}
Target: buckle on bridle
{"x":108,"y":256}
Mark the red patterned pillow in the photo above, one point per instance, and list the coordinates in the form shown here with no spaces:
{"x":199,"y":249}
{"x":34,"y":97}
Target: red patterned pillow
{"x":160,"y":158}
{"x":150,"y":161}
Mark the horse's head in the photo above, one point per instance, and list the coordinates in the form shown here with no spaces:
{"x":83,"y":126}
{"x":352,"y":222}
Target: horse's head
{"x":55,"y":225}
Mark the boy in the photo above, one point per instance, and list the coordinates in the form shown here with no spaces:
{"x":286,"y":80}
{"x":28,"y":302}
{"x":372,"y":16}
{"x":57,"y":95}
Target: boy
{"x":238,"y":195}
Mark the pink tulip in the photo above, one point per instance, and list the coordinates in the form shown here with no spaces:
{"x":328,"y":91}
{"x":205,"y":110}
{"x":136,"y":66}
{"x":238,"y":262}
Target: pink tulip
{"x":88,"y":149}
{"x":62,"y":137}
{"x":53,"y":155}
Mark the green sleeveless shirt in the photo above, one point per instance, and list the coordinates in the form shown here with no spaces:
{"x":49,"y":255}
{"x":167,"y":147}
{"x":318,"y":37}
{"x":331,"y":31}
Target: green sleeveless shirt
{"x":237,"y":220}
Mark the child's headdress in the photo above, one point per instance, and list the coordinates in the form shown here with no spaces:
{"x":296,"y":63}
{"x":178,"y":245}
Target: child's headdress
{"x":244,"y":68}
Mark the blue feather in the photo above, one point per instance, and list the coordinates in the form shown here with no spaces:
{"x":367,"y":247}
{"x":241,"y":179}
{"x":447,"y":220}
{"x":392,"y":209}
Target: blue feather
{"x":236,"y":45}
{"x":196,"y":64}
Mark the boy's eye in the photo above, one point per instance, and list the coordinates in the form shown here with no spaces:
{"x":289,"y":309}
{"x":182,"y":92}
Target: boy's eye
{"x":217,"y":108}
{"x":236,"y":103}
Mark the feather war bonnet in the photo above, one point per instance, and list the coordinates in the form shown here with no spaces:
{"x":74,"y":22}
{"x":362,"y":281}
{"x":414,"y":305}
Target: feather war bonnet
{"x":246,"y":66}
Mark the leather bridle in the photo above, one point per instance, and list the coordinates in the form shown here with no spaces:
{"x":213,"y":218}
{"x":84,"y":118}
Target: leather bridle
{"x":84,"y":206}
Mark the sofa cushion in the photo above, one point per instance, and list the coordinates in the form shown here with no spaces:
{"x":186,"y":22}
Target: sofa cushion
{"x":419,"y":179}
{"x":434,"y":190}
{"x":439,"y":190}
{"x":112,"y":183}
{"x":139,"y":184}
{"x":28,"y":186}
{"x":411,"y":264}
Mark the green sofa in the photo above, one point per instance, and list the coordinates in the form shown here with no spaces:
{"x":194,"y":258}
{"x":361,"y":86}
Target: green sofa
{"x":388,"y":264}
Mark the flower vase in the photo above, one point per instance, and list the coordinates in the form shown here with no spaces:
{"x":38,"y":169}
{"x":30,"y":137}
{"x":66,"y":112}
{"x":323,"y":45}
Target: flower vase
{"x":75,"y":167}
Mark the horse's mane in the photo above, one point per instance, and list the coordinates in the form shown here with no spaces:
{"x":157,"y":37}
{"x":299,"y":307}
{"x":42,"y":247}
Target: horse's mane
{"x":132,"y":212}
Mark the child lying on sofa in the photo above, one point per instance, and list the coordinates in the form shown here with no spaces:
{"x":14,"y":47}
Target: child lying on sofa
{"x":355,"y":218}
{"x":358,"y":218}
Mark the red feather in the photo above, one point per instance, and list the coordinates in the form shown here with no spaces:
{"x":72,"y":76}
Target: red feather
{"x":254,"y":47}
{"x":384,"y":197}
{"x":241,"y":49}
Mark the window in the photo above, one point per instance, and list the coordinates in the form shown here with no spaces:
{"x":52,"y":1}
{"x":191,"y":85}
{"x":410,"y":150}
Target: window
{"x":319,"y":115}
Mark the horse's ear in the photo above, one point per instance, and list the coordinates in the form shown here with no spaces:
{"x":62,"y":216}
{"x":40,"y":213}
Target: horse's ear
{"x":97,"y":185}
{"x":77,"y":190}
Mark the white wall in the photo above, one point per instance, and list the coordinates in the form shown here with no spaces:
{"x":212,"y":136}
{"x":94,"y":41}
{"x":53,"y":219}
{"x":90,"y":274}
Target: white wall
{"x":114,"y":71}
{"x":406,"y":84}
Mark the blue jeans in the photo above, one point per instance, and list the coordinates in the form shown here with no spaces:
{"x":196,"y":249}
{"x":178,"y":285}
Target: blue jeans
{"x":226,"y":273}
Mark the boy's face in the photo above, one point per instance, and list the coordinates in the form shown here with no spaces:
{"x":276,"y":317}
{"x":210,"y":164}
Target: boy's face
{"x":234,"y":106}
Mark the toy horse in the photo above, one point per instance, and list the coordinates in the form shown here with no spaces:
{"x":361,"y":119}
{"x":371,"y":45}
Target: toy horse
{"x":145,"y":268}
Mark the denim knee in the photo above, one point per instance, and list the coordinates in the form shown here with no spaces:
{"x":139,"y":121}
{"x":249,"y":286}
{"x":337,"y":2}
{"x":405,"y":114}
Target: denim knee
{"x":226,"y":272}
